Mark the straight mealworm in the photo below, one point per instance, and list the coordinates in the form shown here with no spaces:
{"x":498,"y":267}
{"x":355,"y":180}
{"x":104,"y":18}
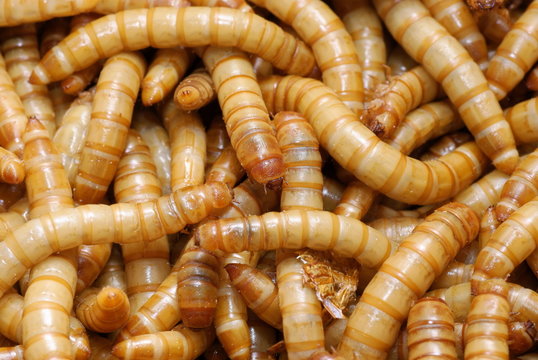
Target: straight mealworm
{"x":168,"y":27}
{"x":449,"y":63}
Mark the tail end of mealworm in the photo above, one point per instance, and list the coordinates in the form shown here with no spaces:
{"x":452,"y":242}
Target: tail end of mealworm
{"x":39,"y":76}
{"x":120,"y":349}
{"x":14,"y":172}
{"x":267,"y":170}
{"x":507,"y":160}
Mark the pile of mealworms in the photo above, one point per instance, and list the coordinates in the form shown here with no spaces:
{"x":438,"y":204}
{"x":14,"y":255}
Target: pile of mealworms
{"x":277,"y":179}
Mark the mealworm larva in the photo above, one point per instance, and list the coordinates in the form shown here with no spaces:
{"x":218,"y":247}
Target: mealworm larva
{"x":488,"y":225}
{"x":195,"y":91}
{"x":217,"y":140}
{"x":109,"y":7}
{"x":14,"y":199}
{"x":9,"y":221}
{"x":382,"y":211}
{"x":113,"y":273}
{"x":515,"y":55}
{"x":47,"y":185}
{"x":91,"y":260}
{"x":354,"y":147}
{"x":245,"y":114}
{"x":445,"y":145}
{"x":521,"y":187}
{"x":188,"y":146}
{"x":77,"y":82}
{"x":332,"y":45}
{"x":355,"y":201}
{"x":523,"y":120}
{"x":485,"y":332}
{"x":449,"y":63}
{"x":11,"y":305}
{"x":427,"y":122}
{"x":261,"y":68}
{"x":468,"y":254}
{"x":455,"y":273}
{"x":332,"y":193}
{"x":80,"y":343}
{"x":348,"y":237}
{"x":11,"y":167}
{"x":102,"y":310}
{"x":12,"y":353}
{"x":512,"y":242}
{"x":483,"y":193}
{"x":262,"y":336}
{"x":13,"y":119}
{"x":396,"y":229}
{"x":112,"y":109}
{"x":258,"y":291}
{"x":374,"y":325}
{"x":399,"y":62}
{"x":430,"y":330}
{"x":234,"y":4}
{"x":47,"y":304}
{"x":169,"y":27}
{"x":179,"y":343}
{"x":458,"y":20}
{"x":392,"y":101}
{"x":226,"y":168}
{"x":301,"y":311}
{"x":303,"y":180}
{"x":197,"y":279}
{"x":164,"y":72}
{"x":324,"y":355}
{"x":60,"y":102}
{"x":366,"y":30}
{"x":136,"y":181}
{"x":20,"y":48}
{"x":70,"y":137}
{"x":14,"y":13}
{"x":156,"y":138}
{"x":521,"y":337}
{"x":94,"y":224}
{"x":532,"y":79}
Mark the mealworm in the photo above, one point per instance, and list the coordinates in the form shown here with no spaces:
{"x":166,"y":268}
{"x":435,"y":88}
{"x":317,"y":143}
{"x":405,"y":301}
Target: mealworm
{"x":445,"y":145}
{"x":301,"y":311}
{"x":354,"y":147}
{"x":109,"y":7}
{"x":523,"y":120}
{"x":521,"y":187}
{"x":112,"y":109}
{"x":91,"y":260}
{"x":468,"y":254}
{"x":21,"y":54}
{"x":485,"y":332}
{"x":156,"y":138}
{"x":195,"y":91}
{"x":188,"y":146}
{"x":102,"y":310}
{"x":10,"y":195}
{"x":101,"y":348}
{"x":406,"y":275}
{"x":13,"y":120}
{"x":11,"y":168}
{"x":495,"y":24}
{"x":532,"y":79}
{"x":488,"y":224}
{"x":366,"y":30}
{"x":11,"y":306}
{"x":77,"y":82}
{"x":396,"y":229}
{"x":303,"y":180}
{"x":71,"y":135}
{"x":258,"y":291}
{"x":455,"y":273}
{"x":217,"y":140}
{"x":12,"y":353}
{"x":226,"y":168}
{"x":259,"y":37}
{"x":262,"y":336}
{"x":94,"y":224}
{"x":348,"y":237}
{"x":80,"y":343}
{"x":245,"y":114}
{"x":392,"y":101}
{"x":179,"y":343}
{"x":332,"y":45}
{"x":9,"y":221}
{"x":136,"y":181}
{"x":521,"y":337}
{"x":430,"y":330}
{"x":483,"y":193}
{"x":458,"y":20}
{"x":324,"y":355}
{"x":164,"y":72}
{"x":113,"y":272}
{"x":15,"y":13}
{"x":515,"y":55}
{"x":197,"y":279}
{"x":332,"y":193}
{"x":234,"y":4}
{"x":449,"y":63}
{"x":355,"y":201}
